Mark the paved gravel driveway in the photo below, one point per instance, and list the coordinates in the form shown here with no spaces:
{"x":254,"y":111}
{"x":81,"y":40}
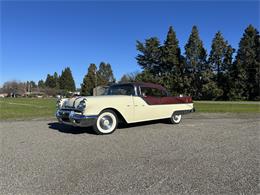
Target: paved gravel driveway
{"x":206,"y":153}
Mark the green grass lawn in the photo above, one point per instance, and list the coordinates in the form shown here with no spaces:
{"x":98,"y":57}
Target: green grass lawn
{"x":29,"y":108}
{"x":233,"y":107}
{"x":24,"y":108}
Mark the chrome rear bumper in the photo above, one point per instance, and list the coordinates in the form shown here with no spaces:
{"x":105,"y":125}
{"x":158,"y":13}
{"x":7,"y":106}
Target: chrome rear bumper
{"x":72,"y":118}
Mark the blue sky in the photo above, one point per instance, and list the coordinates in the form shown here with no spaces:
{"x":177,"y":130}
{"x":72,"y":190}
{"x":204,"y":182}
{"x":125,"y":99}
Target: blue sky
{"x":38,"y":38}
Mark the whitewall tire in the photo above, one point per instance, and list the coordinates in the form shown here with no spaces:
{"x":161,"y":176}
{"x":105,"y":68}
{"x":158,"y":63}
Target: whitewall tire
{"x":175,"y":118}
{"x":106,"y":122}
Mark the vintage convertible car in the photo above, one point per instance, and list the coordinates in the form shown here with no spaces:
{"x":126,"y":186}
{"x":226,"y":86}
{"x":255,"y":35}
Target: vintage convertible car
{"x":130,"y":102}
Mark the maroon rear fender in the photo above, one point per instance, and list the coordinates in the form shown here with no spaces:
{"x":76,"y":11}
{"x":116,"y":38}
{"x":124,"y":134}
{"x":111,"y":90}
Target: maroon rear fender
{"x":176,"y":100}
{"x":167,"y":100}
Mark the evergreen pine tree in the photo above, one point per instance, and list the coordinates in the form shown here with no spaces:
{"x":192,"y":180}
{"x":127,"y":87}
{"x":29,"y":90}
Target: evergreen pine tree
{"x":130,"y":77}
{"x":149,"y":59}
{"x":146,"y":76}
{"x":50,"y":82}
{"x":257,"y":83}
{"x":66,"y":80}
{"x":150,"y":56}
{"x":195,"y":53}
{"x":172,"y":64}
{"x":33,"y":84}
{"x":227,"y":79}
{"x":124,"y":79}
{"x":220,"y":60}
{"x":89,"y":81}
{"x":217,"y":53}
{"x":56,"y":80}
{"x":246,"y":66}
{"x":195,"y":63}
{"x":210,"y":90}
{"x":171,"y":52}
{"x":41,"y":84}
{"x":105,"y":74}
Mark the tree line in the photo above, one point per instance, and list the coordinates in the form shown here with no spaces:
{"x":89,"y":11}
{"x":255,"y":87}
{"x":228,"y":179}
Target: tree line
{"x":64,"y":82}
{"x":214,"y":76}
{"x":221,"y":74}
{"x":51,"y":86}
{"x":12,"y":88}
{"x":94,"y":77}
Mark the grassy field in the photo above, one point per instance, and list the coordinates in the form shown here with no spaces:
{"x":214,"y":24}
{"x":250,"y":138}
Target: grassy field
{"x":28,"y":108}
{"x":24,"y":108}
{"x":233,"y":107}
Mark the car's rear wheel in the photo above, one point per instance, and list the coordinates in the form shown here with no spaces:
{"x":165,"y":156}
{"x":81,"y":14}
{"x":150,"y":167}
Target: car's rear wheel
{"x":106,"y":122}
{"x":175,"y":118}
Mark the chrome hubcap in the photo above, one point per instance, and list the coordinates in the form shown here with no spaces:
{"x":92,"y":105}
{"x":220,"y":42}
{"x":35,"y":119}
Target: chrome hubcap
{"x":177,"y":118}
{"x":106,"y":122}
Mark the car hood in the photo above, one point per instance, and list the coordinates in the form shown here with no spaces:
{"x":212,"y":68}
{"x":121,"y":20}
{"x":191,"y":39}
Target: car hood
{"x":72,"y":102}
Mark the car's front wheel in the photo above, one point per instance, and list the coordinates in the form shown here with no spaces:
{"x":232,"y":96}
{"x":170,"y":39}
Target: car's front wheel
{"x":106,"y":122}
{"x":175,"y":118}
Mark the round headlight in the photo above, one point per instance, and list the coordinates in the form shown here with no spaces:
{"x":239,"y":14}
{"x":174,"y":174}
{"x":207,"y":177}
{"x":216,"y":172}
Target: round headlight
{"x":82,"y":105}
{"x":58,"y":104}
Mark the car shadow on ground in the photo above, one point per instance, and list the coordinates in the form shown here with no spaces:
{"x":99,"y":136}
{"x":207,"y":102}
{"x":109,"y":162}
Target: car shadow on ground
{"x":70,"y":129}
{"x":140,"y":124}
{"x":80,"y":130}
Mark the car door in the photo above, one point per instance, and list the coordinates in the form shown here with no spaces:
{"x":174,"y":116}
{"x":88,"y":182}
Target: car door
{"x":148,"y":105}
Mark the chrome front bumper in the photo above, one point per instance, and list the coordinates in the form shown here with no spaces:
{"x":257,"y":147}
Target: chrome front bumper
{"x":72,"y":118}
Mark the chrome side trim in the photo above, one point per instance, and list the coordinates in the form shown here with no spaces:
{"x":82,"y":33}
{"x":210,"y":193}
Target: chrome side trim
{"x":184,"y":111}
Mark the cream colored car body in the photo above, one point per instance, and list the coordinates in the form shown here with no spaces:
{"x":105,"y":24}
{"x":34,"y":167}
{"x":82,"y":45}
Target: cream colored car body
{"x":132,"y":108}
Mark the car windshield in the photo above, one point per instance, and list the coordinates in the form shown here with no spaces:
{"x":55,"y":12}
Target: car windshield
{"x":121,"y":90}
